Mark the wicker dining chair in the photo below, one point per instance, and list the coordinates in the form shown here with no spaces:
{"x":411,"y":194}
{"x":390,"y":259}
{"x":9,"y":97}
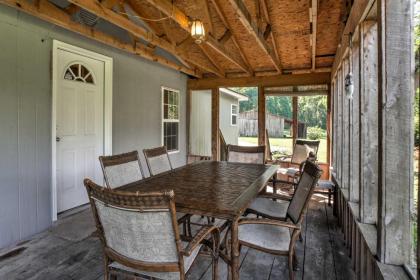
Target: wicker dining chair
{"x":279,"y":237}
{"x":246,"y":154}
{"x":140,"y":237}
{"x":157,"y":160}
{"x":121,"y":169}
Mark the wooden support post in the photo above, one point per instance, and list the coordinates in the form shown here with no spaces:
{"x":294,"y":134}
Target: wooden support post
{"x":395,"y":92}
{"x":215,"y":115}
{"x":334,"y":127}
{"x":354,"y":127}
{"x":339,"y":120}
{"x":261,"y":116}
{"x":345,"y":155}
{"x":329,"y":105}
{"x":368,"y":123}
{"x":188,"y":120}
{"x":295,"y":118}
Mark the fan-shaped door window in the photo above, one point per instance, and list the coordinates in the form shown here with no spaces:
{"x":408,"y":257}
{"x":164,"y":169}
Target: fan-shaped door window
{"x":79,"y":73}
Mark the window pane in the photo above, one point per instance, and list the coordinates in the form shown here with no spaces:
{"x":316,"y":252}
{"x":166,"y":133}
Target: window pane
{"x":165,"y":97}
{"x":234,"y":119}
{"x":170,"y":138}
{"x":165,"y":111}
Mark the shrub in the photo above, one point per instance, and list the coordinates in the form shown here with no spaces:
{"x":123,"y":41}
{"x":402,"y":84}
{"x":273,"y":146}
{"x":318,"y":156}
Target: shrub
{"x":315,"y":133}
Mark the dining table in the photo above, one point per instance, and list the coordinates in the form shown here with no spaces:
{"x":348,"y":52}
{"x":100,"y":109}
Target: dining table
{"x":216,"y":189}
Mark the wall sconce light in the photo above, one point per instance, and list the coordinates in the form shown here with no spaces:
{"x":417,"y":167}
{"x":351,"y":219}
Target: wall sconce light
{"x":197,"y":31}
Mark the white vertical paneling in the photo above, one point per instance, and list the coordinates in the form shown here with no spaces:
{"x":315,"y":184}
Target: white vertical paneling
{"x":200,"y":123}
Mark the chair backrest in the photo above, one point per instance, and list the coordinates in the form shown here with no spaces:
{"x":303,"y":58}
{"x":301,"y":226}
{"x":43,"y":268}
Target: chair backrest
{"x":121,"y":169}
{"x":157,"y":160}
{"x":303,"y":149}
{"x":307,"y":182}
{"x":246,"y":154}
{"x":139,"y":230}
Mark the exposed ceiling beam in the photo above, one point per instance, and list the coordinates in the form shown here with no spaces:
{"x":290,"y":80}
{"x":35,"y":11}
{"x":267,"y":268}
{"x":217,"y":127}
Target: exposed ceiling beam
{"x":207,"y":21}
{"x":52,"y":14}
{"x":313,"y":20}
{"x":153,"y":27}
{"x":109,"y":3}
{"x":96,"y":8}
{"x":210,"y":57}
{"x":223,"y":18}
{"x":253,"y":29}
{"x":264,"y":8}
{"x":178,"y":16}
{"x":277,"y":80}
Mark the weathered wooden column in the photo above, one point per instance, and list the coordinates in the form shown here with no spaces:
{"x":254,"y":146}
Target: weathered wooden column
{"x":261,"y":116}
{"x":368,"y":123}
{"x":339,"y":143}
{"x":395,"y":92}
{"x":329,"y":114}
{"x":345,"y":154}
{"x":215,"y":116}
{"x":355,"y":123}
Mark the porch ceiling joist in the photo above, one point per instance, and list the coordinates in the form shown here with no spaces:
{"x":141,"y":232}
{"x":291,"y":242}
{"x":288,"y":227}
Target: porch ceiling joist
{"x":358,"y":11}
{"x":264,"y":81}
{"x":314,"y":20}
{"x":263,"y":5}
{"x":252,"y":27}
{"x":178,"y":16}
{"x":96,"y":8}
{"x":52,"y":14}
{"x":222,"y":16}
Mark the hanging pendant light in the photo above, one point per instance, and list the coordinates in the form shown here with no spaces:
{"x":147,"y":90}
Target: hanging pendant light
{"x":197,"y":31}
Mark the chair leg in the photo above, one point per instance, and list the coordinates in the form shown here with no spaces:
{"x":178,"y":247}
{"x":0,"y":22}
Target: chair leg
{"x":215,"y":268}
{"x":106,"y":268}
{"x":291,"y":272}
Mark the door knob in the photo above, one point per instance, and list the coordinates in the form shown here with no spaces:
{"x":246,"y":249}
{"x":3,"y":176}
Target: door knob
{"x":57,"y":139}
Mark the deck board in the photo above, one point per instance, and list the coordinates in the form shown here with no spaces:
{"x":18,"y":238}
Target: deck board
{"x":321,"y":255}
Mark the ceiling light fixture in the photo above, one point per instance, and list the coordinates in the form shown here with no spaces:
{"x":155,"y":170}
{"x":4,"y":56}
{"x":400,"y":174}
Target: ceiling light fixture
{"x":197,"y":31}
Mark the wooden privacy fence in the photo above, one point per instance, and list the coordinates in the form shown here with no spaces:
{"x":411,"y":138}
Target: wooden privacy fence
{"x":248,"y":125}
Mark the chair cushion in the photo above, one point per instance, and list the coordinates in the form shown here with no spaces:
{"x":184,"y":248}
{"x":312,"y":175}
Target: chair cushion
{"x":275,"y":209}
{"x":265,"y":236}
{"x":300,"y":153}
{"x":188,"y":261}
{"x":325,"y":184}
{"x":291,"y":171}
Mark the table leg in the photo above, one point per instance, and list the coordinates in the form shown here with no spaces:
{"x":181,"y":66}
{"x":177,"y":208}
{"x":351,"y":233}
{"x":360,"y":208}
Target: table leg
{"x":234,"y":255}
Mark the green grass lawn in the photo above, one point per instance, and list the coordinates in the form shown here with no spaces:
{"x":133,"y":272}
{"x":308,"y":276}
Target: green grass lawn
{"x":286,"y":144}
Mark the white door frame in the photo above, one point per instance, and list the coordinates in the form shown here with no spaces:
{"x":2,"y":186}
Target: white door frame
{"x":58,"y":45}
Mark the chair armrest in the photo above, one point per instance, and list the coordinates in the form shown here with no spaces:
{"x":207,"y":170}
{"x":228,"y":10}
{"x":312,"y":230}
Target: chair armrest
{"x":244,"y":221}
{"x":200,"y":237}
{"x":275,"y":196}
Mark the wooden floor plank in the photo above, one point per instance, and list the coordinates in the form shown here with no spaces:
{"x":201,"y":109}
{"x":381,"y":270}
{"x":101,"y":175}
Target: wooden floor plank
{"x":321,"y":254}
{"x":319,"y":262}
{"x":342,"y":262}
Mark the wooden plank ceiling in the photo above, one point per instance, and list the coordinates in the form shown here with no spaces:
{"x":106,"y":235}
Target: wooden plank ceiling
{"x":244,"y":38}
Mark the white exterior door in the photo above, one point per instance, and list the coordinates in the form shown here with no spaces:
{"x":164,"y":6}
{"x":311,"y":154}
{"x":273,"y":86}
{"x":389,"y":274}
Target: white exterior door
{"x":79,"y":126}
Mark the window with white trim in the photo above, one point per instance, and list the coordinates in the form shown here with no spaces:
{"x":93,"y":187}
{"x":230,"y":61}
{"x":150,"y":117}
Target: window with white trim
{"x":170,"y":119}
{"x":234,"y":114}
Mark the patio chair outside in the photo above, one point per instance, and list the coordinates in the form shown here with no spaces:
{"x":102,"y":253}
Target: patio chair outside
{"x":121,"y":169}
{"x":246,"y":154}
{"x":140,"y":237}
{"x":157,"y":160}
{"x":279,"y":237}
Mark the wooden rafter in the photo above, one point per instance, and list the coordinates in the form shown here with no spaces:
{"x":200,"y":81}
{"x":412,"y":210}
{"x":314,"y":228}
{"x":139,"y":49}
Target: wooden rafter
{"x":109,"y":3}
{"x":313,"y":20}
{"x":178,"y":16}
{"x":52,"y":14}
{"x":266,"y":14}
{"x":124,"y":23}
{"x":210,"y":57}
{"x":277,"y":80}
{"x":154,"y":28}
{"x":208,"y":21}
{"x":223,"y":18}
{"x":252,"y":27}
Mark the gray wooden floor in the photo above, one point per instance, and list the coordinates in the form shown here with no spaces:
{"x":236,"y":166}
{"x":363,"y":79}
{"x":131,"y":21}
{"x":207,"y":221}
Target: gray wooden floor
{"x":70,"y":250}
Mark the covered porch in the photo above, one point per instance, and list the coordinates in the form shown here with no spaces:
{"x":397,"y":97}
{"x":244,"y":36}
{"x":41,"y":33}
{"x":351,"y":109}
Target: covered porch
{"x":163,"y":81}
